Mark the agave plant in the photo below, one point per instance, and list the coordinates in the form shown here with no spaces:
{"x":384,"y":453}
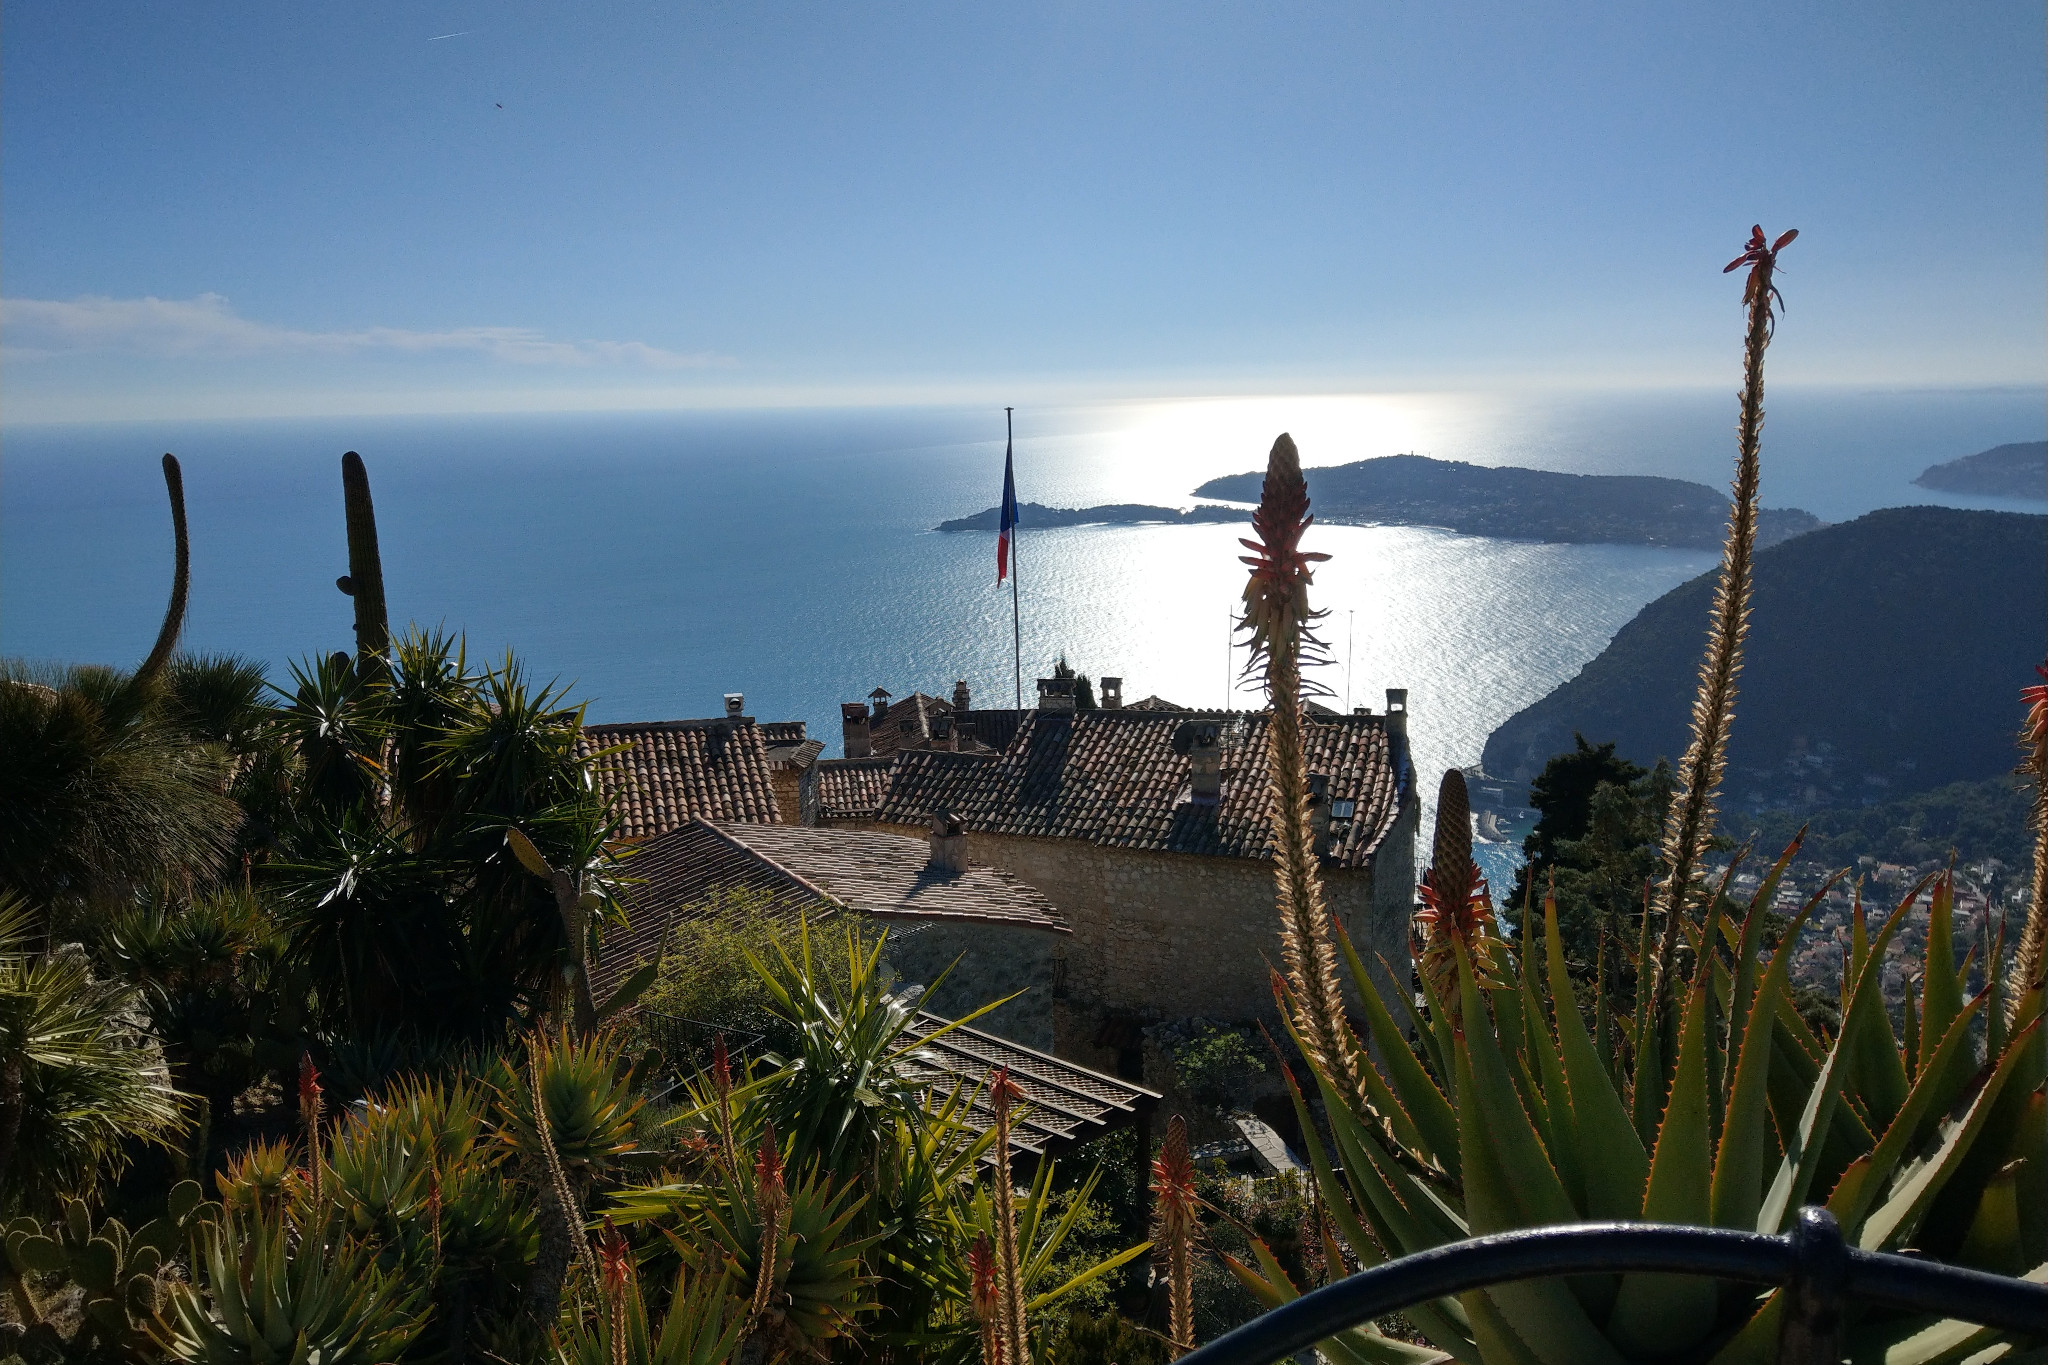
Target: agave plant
{"x":279,"y":1291}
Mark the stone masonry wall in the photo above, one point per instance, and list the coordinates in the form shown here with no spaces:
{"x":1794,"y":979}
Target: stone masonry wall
{"x":1166,"y":935}
{"x":993,"y":961}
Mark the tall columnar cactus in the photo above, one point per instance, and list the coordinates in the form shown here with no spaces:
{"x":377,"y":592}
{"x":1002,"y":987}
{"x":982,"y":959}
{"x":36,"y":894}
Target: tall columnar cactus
{"x":1279,"y":619}
{"x":181,"y":578}
{"x":1690,"y":824}
{"x":365,"y":579}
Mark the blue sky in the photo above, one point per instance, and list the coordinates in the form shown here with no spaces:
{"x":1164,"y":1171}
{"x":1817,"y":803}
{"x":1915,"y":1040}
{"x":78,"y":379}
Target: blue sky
{"x":221,"y":209}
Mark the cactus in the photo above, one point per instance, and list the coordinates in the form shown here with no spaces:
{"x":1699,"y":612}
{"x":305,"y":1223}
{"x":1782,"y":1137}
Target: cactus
{"x":365,"y":580}
{"x":117,"y":1271}
{"x":181,"y":578}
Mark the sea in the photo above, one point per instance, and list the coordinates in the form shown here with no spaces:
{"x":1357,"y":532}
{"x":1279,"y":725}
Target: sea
{"x":652,"y":562}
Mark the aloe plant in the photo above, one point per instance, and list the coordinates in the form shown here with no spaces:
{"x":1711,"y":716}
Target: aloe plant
{"x":280,"y":1291}
{"x":1514,"y":1119}
{"x":1503,"y":1112}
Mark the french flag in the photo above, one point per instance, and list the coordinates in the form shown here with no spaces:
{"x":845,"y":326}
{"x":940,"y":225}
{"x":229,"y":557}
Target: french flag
{"x":1009,"y":524}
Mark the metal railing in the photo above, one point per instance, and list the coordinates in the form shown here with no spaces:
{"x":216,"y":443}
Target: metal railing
{"x":1823,"y":1274}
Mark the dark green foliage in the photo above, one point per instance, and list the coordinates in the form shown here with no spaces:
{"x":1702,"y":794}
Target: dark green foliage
{"x":119,"y":1275}
{"x":1883,"y":655}
{"x":1107,"y":1339}
{"x":1978,"y":820}
{"x":1597,"y":842}
{"x":2018,"y":470}
{"x":100,"y":791}
{"x":1084,"y":690}
{"x":212,"y":975}
{"x":1218,"y":1067}
{"x":406,"y":909}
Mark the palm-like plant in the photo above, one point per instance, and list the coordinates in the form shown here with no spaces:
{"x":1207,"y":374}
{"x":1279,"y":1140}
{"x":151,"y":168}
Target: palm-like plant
{"x":100,"y":793}
{"x":78,"y":1081}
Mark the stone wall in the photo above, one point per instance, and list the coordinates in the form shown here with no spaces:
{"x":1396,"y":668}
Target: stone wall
{"x":1167,"y":935}
{"x":993,"y":961}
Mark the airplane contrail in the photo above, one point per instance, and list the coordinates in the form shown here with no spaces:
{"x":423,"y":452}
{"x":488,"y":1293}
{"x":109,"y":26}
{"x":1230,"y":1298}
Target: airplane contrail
{"x":439,"y":36}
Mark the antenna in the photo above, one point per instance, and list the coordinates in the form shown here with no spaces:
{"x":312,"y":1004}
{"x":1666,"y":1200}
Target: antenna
{"x":1350,"y":655}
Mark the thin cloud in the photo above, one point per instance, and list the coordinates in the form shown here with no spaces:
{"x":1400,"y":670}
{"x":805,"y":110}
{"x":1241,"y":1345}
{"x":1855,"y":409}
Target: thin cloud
{"x":39,"y":329}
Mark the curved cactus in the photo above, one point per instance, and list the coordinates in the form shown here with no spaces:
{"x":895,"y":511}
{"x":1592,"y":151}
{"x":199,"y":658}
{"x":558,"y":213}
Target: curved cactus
{"x":181,"y":577}
{"x":365,"y":580}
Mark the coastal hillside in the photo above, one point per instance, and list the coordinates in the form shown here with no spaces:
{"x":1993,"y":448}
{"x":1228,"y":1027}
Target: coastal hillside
{"x":1522,"y":504}
{"x":2018,"y":470}
{"x":1885,"y":656}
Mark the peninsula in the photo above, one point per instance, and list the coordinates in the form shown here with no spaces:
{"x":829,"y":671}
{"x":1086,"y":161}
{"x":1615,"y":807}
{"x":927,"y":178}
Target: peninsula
{"x":2018,"y":470}
{"x":1480,"y":500}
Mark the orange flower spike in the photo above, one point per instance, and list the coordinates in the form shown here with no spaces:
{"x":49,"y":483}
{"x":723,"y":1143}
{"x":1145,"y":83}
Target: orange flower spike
{"x":1175,"y":1205}
{"x":988,"y":1298}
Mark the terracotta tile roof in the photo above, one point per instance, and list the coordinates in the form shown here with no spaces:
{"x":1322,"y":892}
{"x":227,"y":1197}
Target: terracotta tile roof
{"x":677,"y":877}
{"x":673,"y":771}
{"x":889,"y":876}
{"x":1113,"y":778}
{"x":851,"y":788}
{"x":783,"y":731}
{"x":1155,"y":703}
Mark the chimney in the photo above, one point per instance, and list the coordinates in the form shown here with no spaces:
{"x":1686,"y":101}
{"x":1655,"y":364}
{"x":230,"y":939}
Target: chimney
{"x":949,"y":843}
{"x":880,"y":697}
{"x":941,"y":725}
{"x":1112,"y":694}
{"x":853,"y":722}
{"x":735,"y":704}
{"x":1202,"y":742}
{"x":962,"y":701}
{"x":1056,"y":695}
{"x":1397,"y":711}
{"x":1319,"y":812}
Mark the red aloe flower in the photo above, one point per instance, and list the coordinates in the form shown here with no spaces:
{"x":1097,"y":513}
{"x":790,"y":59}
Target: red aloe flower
{"x":988,"y":1298}
{"x":1762,"y":262}
{"x":1276,"y":610}
{"x":309,"y":1115}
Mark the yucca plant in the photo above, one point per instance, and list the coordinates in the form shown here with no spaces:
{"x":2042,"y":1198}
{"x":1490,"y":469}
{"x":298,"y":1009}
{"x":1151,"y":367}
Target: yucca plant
{"x":1503,"y":1113}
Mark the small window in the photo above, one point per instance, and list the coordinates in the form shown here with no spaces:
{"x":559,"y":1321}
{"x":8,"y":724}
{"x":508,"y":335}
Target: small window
{"x":1343,"y":809}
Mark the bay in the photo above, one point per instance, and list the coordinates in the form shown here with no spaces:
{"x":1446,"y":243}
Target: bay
{"x":655,"y":561}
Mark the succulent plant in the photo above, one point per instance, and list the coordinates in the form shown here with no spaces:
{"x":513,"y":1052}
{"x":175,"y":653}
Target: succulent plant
{"x":364,"y":582}
{"x":284,"y":1291}
{"x":118,"y":1272}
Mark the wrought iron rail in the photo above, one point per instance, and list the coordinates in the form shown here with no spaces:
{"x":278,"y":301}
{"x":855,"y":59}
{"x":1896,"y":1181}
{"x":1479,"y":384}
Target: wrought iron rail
{"x":1822,"y":1272}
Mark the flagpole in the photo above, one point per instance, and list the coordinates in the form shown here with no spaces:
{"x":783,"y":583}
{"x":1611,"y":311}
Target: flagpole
{"x":1016,"y":617}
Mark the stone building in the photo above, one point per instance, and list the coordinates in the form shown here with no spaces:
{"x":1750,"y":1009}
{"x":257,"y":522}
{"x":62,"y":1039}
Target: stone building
{"x":1148,"y":829}
{"x":997,"y":935}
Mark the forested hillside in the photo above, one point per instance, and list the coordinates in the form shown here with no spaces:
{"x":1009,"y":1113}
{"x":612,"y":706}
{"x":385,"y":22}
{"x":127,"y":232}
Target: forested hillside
{"x":1885,"y":656}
